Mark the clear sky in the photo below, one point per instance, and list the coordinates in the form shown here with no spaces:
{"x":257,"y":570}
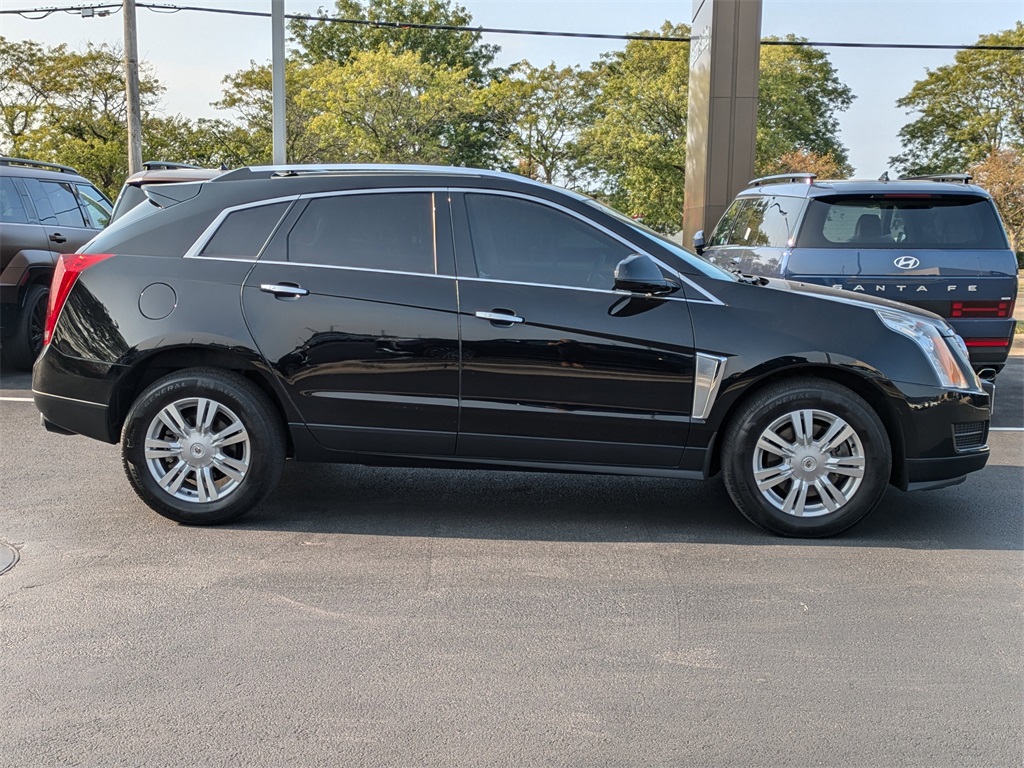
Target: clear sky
{"x":191,"y":52}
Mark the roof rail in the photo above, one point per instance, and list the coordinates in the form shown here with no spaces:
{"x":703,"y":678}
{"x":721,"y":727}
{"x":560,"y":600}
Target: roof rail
{"x":20,"y":161}
{"x":956,"y":178}
{"x":806,"y":178}
{"x":164,"y":165}
{"x":281,"y":171}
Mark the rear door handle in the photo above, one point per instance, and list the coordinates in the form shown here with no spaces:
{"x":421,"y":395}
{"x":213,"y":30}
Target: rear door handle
{"x":57,"y":237}
{"x":284,"y":290}
{"x":503,"y":317}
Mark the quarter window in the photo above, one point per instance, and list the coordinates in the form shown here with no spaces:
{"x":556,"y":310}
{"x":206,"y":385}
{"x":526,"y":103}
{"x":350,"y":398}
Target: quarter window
{"x":12,"y":208}
{"x":96,"y":206}
{"x":386,"y":231}
{"x":243,"y":233}
{"x":522,"y":241}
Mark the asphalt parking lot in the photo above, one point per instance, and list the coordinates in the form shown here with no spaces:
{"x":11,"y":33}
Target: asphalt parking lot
{"x":424,"y":617}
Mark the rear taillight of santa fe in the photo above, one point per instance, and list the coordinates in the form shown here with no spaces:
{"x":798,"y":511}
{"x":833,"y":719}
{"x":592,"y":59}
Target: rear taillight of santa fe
{"x":1003,"y":308}
{"x":69,"y":267}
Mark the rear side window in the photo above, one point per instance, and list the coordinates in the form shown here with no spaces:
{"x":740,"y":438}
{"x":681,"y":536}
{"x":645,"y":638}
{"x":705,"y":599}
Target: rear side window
{"x":243,"y":233}
{"x":55,"y":203}
{"x":12,"y":207}
{"x":386,"y":231}
{"x":755,"y":222}
{"x":904,"y":221}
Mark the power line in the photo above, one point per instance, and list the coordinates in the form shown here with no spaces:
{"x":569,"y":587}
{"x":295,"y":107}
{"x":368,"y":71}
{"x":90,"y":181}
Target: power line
{"x":499,"y":30}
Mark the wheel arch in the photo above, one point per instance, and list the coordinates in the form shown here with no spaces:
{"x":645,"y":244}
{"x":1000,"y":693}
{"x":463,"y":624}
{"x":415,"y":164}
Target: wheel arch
{"x":872,"y":392}
{"x":166,"y":361}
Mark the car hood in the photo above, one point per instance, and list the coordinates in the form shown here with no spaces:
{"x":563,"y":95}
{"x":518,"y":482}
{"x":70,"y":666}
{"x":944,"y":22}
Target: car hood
{"x":826,"y":293}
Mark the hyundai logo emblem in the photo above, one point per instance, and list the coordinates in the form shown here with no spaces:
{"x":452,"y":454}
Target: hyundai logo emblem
{"x":906,"y":262}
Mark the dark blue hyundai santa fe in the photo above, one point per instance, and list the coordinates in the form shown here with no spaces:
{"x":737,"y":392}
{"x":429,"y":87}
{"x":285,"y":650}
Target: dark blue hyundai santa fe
{"x":935,"y":242}
{"x":445,"y":317}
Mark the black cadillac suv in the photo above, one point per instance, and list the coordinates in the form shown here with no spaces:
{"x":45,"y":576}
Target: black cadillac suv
{"x":425,"y":316}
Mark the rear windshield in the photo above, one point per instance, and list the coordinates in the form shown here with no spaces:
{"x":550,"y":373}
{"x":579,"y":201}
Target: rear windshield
{"x":902,"y":221}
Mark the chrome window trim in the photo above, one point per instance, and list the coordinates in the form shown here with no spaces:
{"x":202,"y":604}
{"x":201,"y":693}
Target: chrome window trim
{"x":203,"y":240}
{"x":601,"y":228}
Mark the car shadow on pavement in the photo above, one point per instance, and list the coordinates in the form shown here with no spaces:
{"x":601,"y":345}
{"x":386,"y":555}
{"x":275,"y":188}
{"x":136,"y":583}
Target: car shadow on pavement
{"x":326,"y":499}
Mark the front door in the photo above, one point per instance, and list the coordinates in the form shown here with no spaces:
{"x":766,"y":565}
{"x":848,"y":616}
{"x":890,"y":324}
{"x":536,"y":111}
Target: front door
{"x":558,"y":367}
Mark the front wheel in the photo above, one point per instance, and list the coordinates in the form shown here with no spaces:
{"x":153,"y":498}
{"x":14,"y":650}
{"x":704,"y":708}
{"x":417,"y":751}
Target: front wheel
{"x":202,"y":446}
{"x":806,"y":457}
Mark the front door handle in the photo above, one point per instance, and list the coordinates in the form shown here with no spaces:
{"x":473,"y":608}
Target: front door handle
{"x":504,"y":318}
{"x":284,"y":290}
{"x":57,"y":237}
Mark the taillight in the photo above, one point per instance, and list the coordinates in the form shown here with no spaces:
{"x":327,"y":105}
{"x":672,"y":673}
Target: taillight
{"x":987,"y":342}
{"x":69,"y":267}
{"x":982,"y":309}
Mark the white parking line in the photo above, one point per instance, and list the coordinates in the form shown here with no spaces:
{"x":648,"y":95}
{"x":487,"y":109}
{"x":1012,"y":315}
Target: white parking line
{"x":1006,"y":429}
{"x":17,"y":399}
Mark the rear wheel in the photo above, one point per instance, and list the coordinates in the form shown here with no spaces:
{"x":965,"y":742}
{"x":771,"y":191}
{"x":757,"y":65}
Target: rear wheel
{"x":203,"y":446}
{"x":806,"y":457}
{"x":25,"y":342}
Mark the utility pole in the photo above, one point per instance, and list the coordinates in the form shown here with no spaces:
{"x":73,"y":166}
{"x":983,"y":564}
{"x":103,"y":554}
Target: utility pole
{"x":131,"y":85}
{"x":277,"y":48}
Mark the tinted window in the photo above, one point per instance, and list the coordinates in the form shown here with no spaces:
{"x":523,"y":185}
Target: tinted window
{"x":522,"y":241}
{"x":56,"y":203}
{"x":926,"y":221}
{"x":390,"y":231}
{"x":96,"y":206}
{"x":12,"y":207}
{"x":758,"y":222}
{"x":243,"y":233}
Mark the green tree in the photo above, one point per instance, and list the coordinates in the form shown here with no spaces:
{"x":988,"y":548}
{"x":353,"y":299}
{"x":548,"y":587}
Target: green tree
{"x":388,"y":107}
{"x":339,"y":42}
{"x":1002,"y":174}
{"x":540,"y":114}
{"x":799,"y":98}
{"x":636,"y":144}
{"x":967,"y":109}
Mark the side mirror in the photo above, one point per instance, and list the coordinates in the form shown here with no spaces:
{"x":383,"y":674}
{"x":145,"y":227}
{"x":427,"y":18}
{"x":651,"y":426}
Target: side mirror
{"x":698,"y":243}
{"x":640,"y":274}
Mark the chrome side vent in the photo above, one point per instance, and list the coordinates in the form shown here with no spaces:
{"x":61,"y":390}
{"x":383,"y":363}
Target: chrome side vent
{"x":706,"y":380}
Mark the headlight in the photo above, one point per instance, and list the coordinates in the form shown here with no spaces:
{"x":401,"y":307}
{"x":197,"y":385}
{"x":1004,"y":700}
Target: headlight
{"x":932,"y":342}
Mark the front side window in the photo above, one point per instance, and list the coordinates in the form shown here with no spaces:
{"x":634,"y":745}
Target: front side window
{"x":96,"y":206}
{"x":522,"y":241}
{"x":386,"y":231}
{"x":903,"y":221}
{"x":56,"y":203}
{"x":757,"y":223}
{"x":243,"y":233}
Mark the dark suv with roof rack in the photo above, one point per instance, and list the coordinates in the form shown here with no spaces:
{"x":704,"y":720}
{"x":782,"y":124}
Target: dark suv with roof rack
{"x":45,"y":210}
{"x":450,"y":317}
{"x":935,"y":242}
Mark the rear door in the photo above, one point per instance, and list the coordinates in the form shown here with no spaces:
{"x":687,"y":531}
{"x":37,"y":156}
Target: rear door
{"x":353,"y":303}
{"x":63,"y":220}
{"x":559,"y":368}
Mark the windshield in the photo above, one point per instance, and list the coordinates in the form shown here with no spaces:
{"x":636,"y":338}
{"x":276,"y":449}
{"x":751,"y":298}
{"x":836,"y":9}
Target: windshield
{"x":691,"y":260}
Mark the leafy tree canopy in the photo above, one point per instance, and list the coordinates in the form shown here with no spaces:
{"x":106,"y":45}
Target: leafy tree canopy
{"x":966,"y":110}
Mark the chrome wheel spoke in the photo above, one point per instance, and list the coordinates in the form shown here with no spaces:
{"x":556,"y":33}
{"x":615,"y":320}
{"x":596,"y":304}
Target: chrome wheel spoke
{"x":849,"y":466}
{"x":772,"y":476}
{"x":233,"y":433}
{"x":205,"y":485}
{"x":831,"y":497}
{"x":173,"y":479}
{"x":233,"y":468}
{"x":206,"y":412}
{"x":773,"y":443}
{"x":162,"y":449}
{"x":174,"y":421}
{"x":836,"y":435}
{"x":796,"y":498}
{"x":803,"y":426}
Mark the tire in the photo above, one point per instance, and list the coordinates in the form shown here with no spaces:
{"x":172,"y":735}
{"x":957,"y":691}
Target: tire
{"x":811,"y":486}
{"x":25,"y":342}
{"x":176,"y":464}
